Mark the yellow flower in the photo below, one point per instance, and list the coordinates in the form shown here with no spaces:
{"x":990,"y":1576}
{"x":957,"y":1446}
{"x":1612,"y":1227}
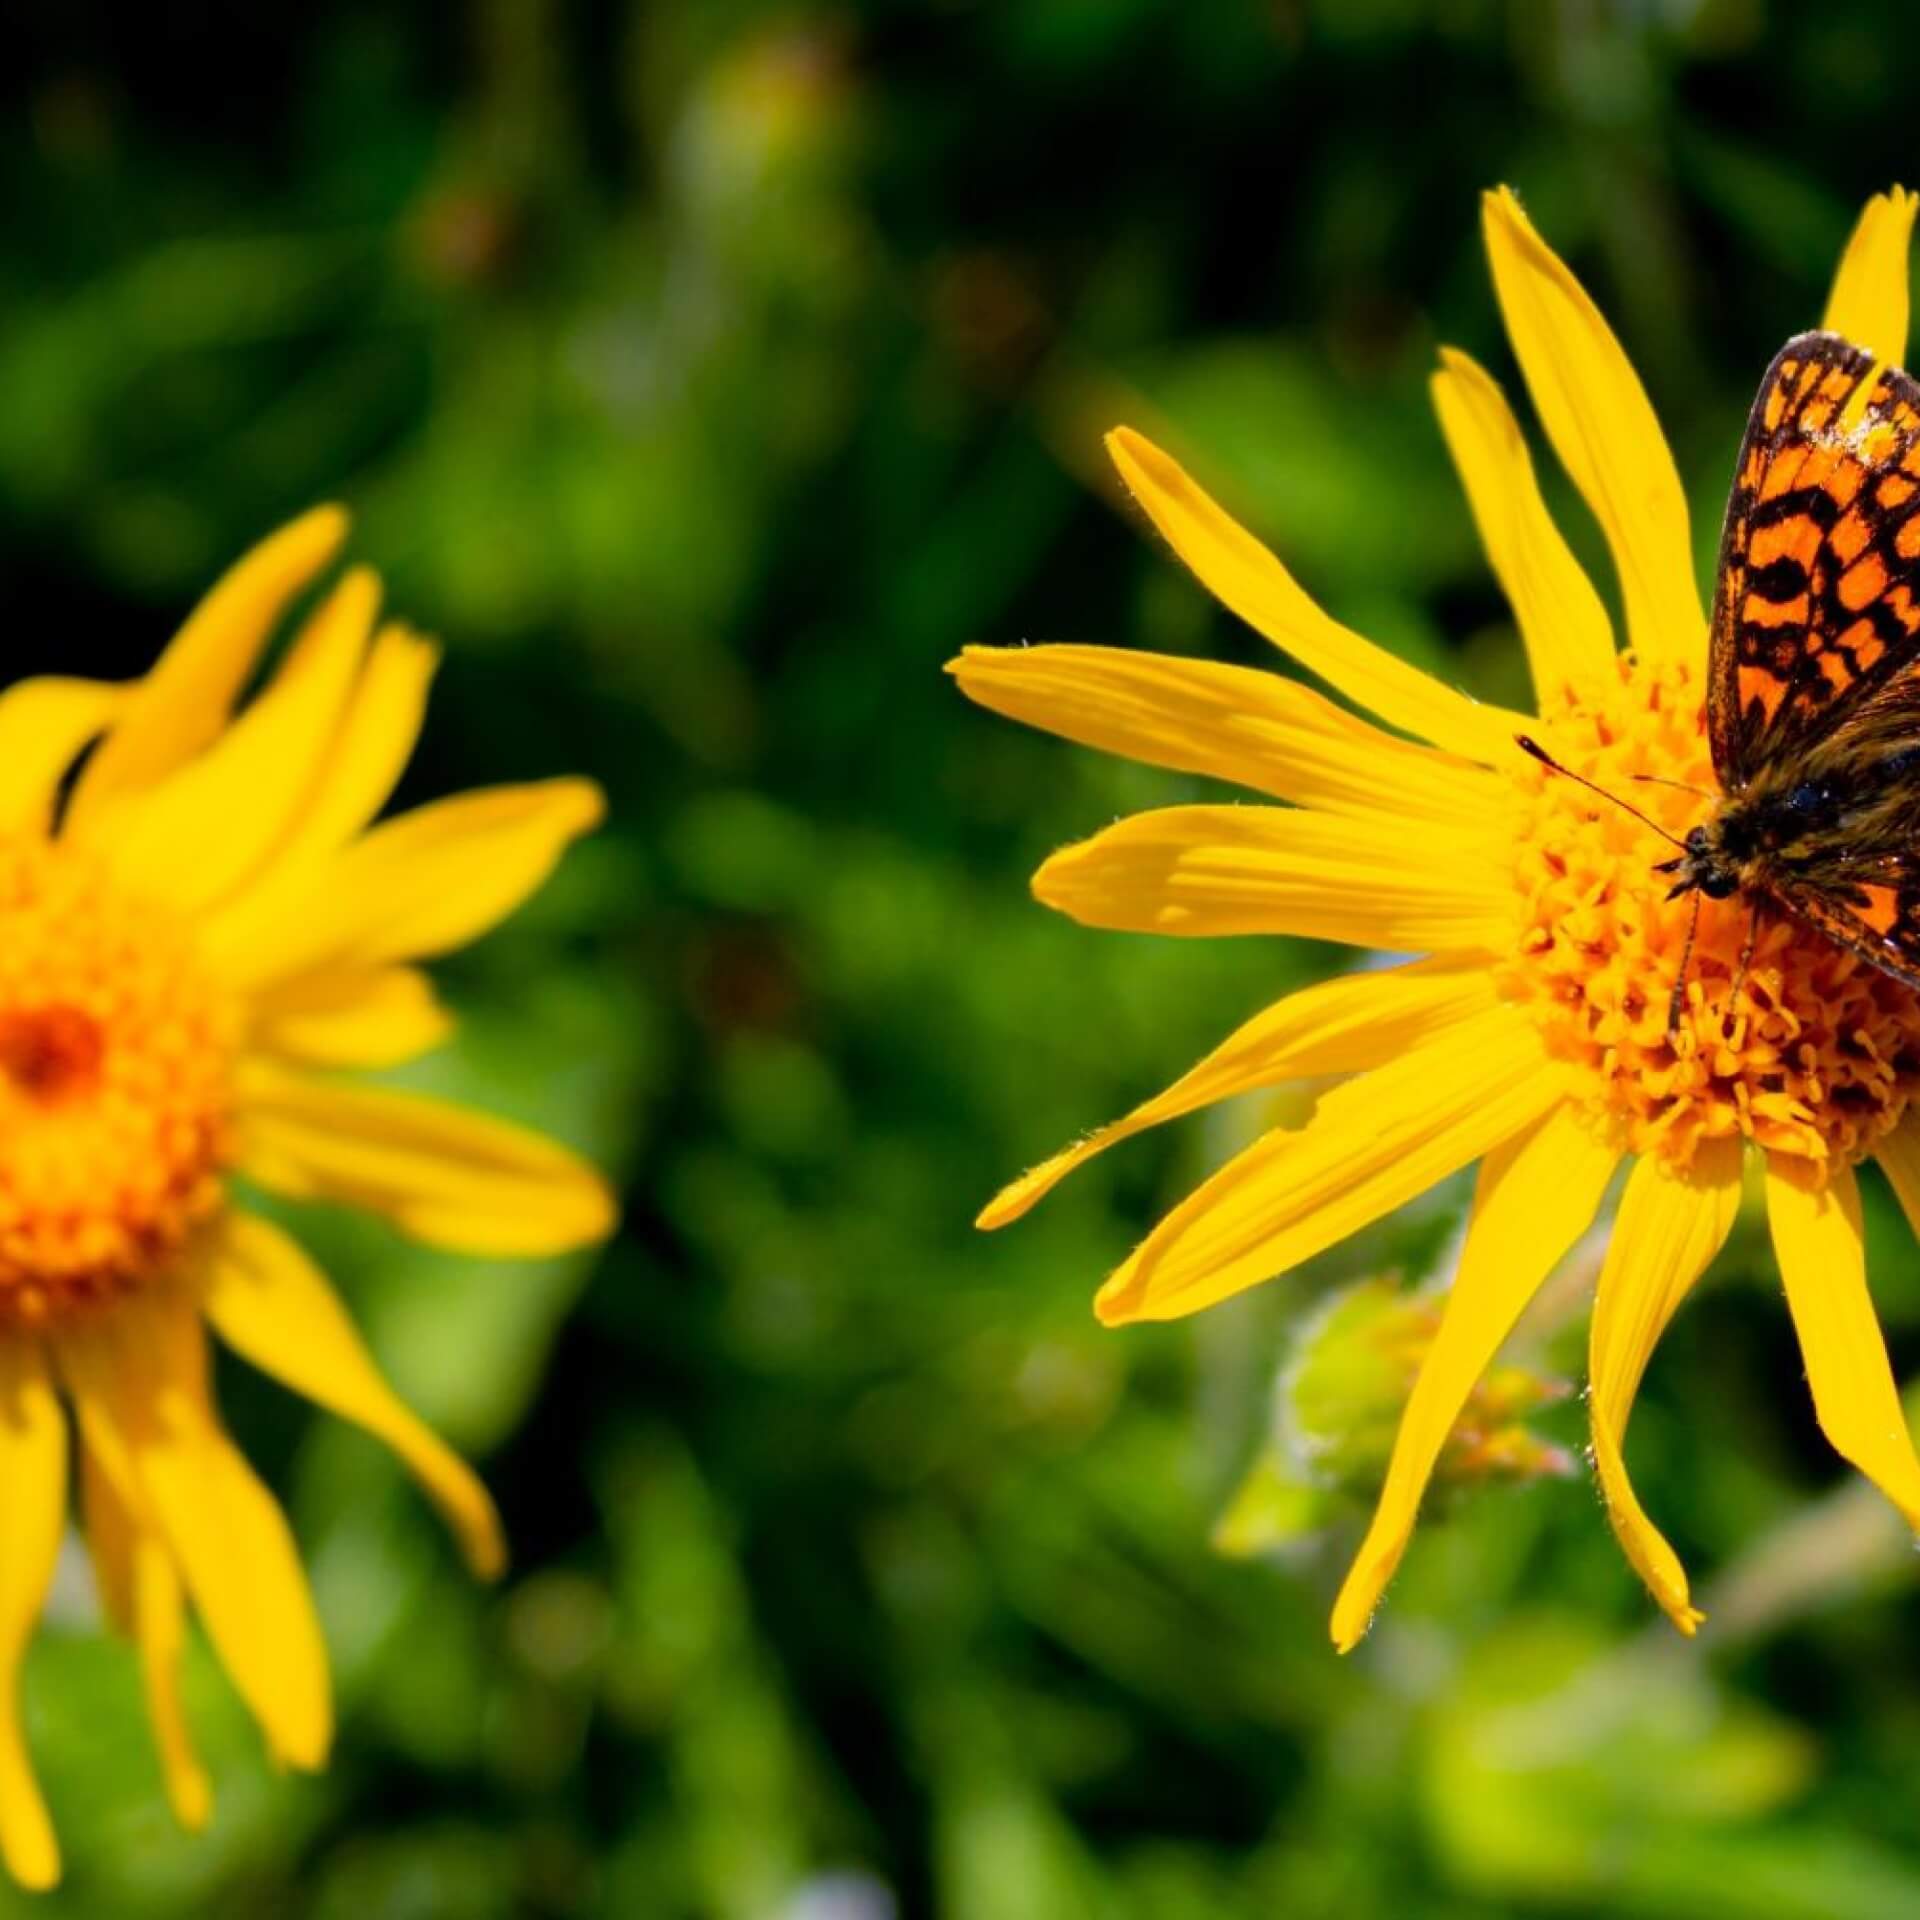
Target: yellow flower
{"x":196,"y":931}
{"x":1533,"y":1038}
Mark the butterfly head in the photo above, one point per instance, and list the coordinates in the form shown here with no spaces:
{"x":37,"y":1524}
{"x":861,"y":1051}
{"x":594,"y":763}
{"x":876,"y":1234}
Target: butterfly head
{"x":1713,"y":860}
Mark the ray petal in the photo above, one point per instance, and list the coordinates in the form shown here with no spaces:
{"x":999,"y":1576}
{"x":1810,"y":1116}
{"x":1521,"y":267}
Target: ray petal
{"x":1564,"y":626}
{"x":184,"y":702}
{"x":444,"y":1174}
{"x":1537,"y":1194}
{"x":270,"y":1303}
{"x":1204,"y":871}
{"x":1669,"y":1228}
{"x":1255,"y":729}
{"x":1868,"y":304}
{"x":1601,"y":424}
{"x":1249,"y":581}
{"x":1373,"y":1143}
{"x":1821,"y":1247}
{"x":1345,"y":1025}
{"x":33,"y":1471}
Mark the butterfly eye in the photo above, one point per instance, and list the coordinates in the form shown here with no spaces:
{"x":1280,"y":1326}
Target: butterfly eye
{"x":1807,"y":799}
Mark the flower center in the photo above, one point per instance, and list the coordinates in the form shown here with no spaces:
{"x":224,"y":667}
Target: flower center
{"x":1812,"y":1051}
{"x":115,"y":1055}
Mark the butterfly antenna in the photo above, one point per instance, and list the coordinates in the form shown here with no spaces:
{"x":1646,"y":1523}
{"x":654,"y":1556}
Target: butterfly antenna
{"x":1681,"y":786}
{"x":1547,"y":760}
{"x":1679,"y":995}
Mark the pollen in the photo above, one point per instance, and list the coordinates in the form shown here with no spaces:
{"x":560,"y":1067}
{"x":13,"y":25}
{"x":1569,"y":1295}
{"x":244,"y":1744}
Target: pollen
{"x":115,"y":1069}
{"x":1809,"y":1050}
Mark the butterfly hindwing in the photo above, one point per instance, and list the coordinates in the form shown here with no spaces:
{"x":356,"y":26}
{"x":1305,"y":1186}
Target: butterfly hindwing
{"x":1817,"y":608}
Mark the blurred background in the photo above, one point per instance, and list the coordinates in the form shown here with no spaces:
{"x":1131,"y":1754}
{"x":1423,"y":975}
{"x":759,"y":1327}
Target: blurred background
{"x":707,"y":375}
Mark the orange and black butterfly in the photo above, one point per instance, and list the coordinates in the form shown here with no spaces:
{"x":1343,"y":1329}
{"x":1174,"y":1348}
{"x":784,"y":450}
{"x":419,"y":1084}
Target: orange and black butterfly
{"x":1813,"y":694}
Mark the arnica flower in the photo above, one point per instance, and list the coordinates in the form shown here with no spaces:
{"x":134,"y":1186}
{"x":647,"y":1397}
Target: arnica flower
{"x":1532,"y":1036}
{"x":198,"y":931}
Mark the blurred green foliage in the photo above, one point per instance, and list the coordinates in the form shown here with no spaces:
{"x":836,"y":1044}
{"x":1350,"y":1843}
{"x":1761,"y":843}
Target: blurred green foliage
{"x":707,"y":374}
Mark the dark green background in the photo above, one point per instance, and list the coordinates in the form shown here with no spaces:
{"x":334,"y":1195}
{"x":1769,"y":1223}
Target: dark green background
{"x":706,"y":376}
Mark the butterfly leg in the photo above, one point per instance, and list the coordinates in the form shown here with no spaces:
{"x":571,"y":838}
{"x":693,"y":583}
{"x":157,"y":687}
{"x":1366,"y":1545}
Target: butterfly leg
{"x":1678,"y":998}
{"x":1746,"y":951}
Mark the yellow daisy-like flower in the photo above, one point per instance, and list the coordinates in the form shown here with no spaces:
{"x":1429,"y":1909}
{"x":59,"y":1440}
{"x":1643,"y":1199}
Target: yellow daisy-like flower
{"x":196,"y":931}
{"x":1533,"y":1038}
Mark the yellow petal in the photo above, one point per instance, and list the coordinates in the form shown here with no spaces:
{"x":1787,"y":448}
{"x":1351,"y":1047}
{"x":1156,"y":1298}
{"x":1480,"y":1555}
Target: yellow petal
{"x":1598,"y":417}
{"x":1568,"y":638}
{"x":1204,"y":871}
{"x":418,"y":885}
{"x":269,"y":1302}
{"x":1536,"y":1195}
{"x":446,"y":1175}
{"x":160,"y":1626}
{"x":1899,"y":1157}
{"x":1346,"y":1025}
{"x":184,"y":702}
{"x":1228,"y":723}
{"x":1373,"y":1144}
{"x":109,"y":1533}
{"x":1669,"y":1228}
{"x":375,"y":1017}
{"x":138,"y":1377}
{"x":1248,"y":580}
{"x":375,"y":742}
{"x":1818,"y":1241}
{"x":201,"y":833}
{"x":1868,"y":304}
{"x":44,"y":724}
{"x":33,"y":1516}
{"x":140,"y":1589}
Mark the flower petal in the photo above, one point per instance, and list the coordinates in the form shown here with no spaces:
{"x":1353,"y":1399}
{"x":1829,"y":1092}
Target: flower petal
{"x":1669,"y":1228}
{"x":374,"y":1017}
{"x":1817,"y":1238}
{"x":184,"y":702}
{"x":1601,"y":424}
{"x":1372,"y":1144}
{"x":140,"y":1587}
{"x":269,"y":1302}
{"x":1203,"y":871}
{"x":375,"y":742}
{"x":139,"y":1382}
{"x":1868,"y":304}
{"x":199,"y":834}
{"x":44,"y":724}
{"x":1248,"y":580}
{"x":415,"y":886}
{"x":1899,"y":1157}
{"x":446,"y":1175}
{"x":1537,"y":1194}
{"x":1568,"y":637}
{"x":1227,"y":723}
{"x":1346,"y":1025}
{"x":33,"y":1516}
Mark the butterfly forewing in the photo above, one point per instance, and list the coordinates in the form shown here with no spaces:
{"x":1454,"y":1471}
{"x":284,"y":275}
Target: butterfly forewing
{"x":1818,"y":601}
{"x":1813,"y":701}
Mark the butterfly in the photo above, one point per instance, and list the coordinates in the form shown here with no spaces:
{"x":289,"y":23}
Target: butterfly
{"x":1813,"y":668}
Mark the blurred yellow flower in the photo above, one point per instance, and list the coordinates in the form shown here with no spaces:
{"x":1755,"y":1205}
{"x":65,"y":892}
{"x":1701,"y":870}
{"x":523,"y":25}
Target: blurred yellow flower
{"x":1534,"y":1038}
{"x":196,"y":930}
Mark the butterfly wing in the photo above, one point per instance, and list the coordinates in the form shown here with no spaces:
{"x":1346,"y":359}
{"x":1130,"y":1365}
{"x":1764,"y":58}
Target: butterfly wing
{"x":1816,"y":613}
{"x":1873,"y":912}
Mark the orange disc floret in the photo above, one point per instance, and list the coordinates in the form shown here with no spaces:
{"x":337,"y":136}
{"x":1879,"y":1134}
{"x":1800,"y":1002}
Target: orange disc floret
{"x":115,"y":1068}
{"x":1813,"y":1052}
